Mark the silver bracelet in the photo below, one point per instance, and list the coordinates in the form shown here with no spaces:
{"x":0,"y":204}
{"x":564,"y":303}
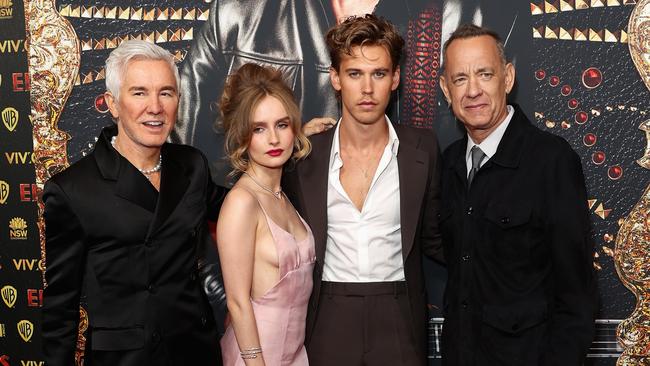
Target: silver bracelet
{"x":250,"y":353}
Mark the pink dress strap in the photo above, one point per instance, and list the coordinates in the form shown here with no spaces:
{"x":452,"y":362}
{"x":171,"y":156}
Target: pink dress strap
{"x":281,"y":312}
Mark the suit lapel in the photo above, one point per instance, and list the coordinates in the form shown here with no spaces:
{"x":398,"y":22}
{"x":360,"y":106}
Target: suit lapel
{"x":173,"y":184}
{"x":130,"y":184}
{"x":133,"y":186}
{"x":313,"y":177}
{"x":513,"y":141}
{"x":412,"y":166}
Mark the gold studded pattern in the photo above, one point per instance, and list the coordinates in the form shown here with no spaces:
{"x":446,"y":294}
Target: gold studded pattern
{"x":164,"y":36}
{"x":146,"y":14}
{"x":87,"y":77}
{"x":550,"y":7}
{"x":576,"y":34}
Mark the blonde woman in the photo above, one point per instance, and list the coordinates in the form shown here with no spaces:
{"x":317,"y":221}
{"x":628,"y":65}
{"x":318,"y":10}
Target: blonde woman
{"x":266,"y":249}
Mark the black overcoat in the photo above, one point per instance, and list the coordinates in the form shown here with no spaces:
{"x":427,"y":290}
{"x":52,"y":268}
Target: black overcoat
{"x":521,"y":288}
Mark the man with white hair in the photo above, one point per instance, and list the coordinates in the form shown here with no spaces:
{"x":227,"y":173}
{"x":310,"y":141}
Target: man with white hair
{"x":123,"y":227}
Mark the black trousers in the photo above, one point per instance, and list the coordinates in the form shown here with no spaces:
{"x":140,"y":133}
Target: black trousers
{"x":363,"y":324}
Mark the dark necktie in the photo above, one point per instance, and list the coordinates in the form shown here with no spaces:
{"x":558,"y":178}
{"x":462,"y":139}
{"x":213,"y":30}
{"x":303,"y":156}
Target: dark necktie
{"x":477,"y":156}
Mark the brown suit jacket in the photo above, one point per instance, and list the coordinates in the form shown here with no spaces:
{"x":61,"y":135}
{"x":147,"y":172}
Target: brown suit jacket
{"x":419,"y":174}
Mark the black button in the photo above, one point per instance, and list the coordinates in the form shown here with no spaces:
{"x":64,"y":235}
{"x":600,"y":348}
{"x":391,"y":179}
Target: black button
{"x":505,"y":220}
{"x":204,"y":320}
{"x":155,"y":336}
{"x":464,"y":304}
{"x":193,"y":233}
{"x":193,"y":276}
{"x":515,"y":327}
{"x":470,"y":210}
{"x":465,"y":257}
{"x":151,"y":288}
{"x":148,"y":243}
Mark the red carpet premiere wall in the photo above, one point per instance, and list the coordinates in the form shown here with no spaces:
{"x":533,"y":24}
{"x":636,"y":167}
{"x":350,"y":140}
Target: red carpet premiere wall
{"x":21,"y":263}
{"x":583,"y":72}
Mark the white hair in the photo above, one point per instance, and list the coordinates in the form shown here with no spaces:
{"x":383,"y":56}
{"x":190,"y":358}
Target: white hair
{"x":134,"y":49}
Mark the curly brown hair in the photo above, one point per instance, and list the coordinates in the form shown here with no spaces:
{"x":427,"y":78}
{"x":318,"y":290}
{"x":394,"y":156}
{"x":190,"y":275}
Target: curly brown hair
{"x":242,"y":93}
{"x":367,"y":30}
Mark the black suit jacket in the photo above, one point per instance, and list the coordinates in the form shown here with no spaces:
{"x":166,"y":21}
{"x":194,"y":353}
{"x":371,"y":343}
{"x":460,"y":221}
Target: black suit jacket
{"x":418,"y":165}
{"x":521,"y":287}
{"x":133,"y":252}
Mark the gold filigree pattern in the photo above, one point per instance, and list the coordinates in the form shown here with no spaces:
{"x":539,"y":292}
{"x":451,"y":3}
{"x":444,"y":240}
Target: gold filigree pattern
{"x":632,"y":258}
{"x":632,"y":251}
{"x":54,"y":57}
{"x":644,"y":161}
{"x":639,"y":39}
{"x":81,"y":337}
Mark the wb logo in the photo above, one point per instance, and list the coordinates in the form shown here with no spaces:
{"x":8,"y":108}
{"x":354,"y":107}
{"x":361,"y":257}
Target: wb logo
{"x":10,"y":118}
{"x":25,"y":329}
{"x":9,"y":295}
{"x":4,"y":191}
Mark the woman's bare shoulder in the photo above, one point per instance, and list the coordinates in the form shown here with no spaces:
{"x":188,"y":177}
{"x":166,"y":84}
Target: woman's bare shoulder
{"x":240,"y":203}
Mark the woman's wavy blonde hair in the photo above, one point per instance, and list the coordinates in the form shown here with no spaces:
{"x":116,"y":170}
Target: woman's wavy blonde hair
{"x":242,"y":93}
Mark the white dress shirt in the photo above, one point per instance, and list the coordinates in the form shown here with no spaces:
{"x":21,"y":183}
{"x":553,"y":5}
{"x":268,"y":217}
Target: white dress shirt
{"x":490,"y":144}
{"x":366,"y":245}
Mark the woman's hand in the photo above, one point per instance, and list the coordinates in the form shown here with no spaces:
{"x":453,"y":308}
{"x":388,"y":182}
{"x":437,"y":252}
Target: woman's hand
{"x":318,"y":125}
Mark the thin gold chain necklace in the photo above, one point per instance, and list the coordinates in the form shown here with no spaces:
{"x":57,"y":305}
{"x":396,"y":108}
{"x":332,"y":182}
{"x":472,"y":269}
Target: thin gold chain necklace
{"x":275,"y":194}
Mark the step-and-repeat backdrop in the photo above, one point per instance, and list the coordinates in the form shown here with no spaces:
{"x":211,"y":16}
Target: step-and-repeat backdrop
{"x":21,"y":265}
{"x":583,"y":72}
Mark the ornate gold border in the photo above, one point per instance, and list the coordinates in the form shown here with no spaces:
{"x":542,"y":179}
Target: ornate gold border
{"x":632,"y":251}
{"x":54,"y":58}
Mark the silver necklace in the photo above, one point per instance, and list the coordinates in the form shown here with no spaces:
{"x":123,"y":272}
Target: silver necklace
{"x":275,"y":194}
{"x":143,"y":171}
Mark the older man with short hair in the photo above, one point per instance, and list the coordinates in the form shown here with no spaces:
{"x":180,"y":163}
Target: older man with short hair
{"x":123,"y":227}
{"x":515,"y":224}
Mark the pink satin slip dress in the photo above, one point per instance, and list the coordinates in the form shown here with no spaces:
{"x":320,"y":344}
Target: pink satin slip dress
{"x":281,"y":312}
